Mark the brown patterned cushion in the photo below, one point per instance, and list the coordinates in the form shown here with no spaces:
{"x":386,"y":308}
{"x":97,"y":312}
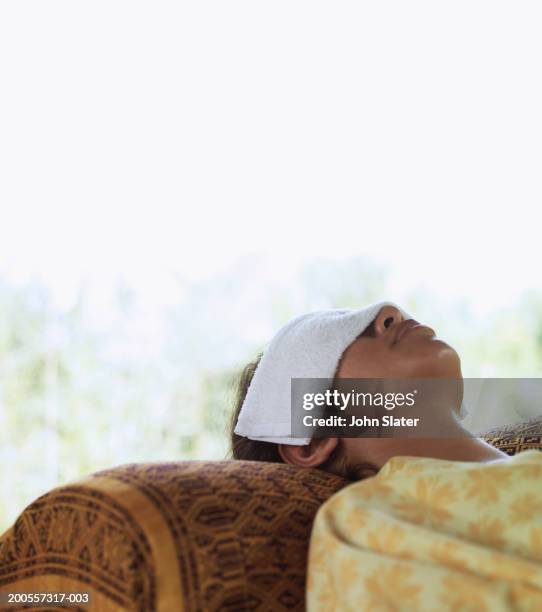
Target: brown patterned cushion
{"x":515,"y":438}
{"x":191,"y":535}
{"x":194,"y":535}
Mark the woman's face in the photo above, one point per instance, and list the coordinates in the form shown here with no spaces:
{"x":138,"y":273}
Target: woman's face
{"x":395,"y":347}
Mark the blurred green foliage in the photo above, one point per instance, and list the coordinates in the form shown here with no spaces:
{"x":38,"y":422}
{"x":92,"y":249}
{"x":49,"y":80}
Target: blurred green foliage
{"x":79,"y":394}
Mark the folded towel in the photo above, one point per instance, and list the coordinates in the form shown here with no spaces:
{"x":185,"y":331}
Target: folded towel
{"x":309,"y":346}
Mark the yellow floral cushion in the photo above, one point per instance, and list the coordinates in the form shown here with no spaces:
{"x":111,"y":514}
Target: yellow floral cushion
{"x":429,"y":534}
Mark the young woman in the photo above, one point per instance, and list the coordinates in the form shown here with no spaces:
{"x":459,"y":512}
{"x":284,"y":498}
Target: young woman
{"x":444,"y":523}
{"x":391,"y":346}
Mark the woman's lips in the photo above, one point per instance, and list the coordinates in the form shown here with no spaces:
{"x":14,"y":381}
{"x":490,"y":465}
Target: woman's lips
{"x":405,"y":327}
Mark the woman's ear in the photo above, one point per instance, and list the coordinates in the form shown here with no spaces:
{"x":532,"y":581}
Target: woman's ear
{"x":310,"y":455}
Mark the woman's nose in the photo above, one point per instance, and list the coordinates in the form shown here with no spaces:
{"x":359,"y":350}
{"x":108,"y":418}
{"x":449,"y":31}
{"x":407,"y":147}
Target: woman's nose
{"x":387,"y":317}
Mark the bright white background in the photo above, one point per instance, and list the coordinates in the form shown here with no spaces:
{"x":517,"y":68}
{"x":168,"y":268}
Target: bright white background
{"x":162,"y":143}
{"x":140,"y":138}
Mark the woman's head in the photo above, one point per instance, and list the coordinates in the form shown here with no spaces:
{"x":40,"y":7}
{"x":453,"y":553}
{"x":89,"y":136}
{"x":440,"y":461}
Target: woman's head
{"x":391,"y":346}
{"x":328,"y":455}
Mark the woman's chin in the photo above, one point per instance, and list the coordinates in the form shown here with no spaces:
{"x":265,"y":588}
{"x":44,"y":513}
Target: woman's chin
{"x":434,"y":358}
{"x":447,"y":363}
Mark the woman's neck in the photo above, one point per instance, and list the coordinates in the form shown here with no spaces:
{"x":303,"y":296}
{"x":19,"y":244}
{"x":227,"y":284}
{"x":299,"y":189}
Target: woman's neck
{"x":448,"y":440}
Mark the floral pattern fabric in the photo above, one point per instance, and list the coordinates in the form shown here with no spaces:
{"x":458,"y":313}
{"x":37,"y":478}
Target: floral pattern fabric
{"x":429,"y":534}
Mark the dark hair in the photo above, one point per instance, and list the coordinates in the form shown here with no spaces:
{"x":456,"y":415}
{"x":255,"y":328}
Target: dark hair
{"x":241,"y":447}
{"x":257,"y":450}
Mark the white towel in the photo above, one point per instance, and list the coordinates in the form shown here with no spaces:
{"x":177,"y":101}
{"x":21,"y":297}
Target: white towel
{"x":309,"y":346}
